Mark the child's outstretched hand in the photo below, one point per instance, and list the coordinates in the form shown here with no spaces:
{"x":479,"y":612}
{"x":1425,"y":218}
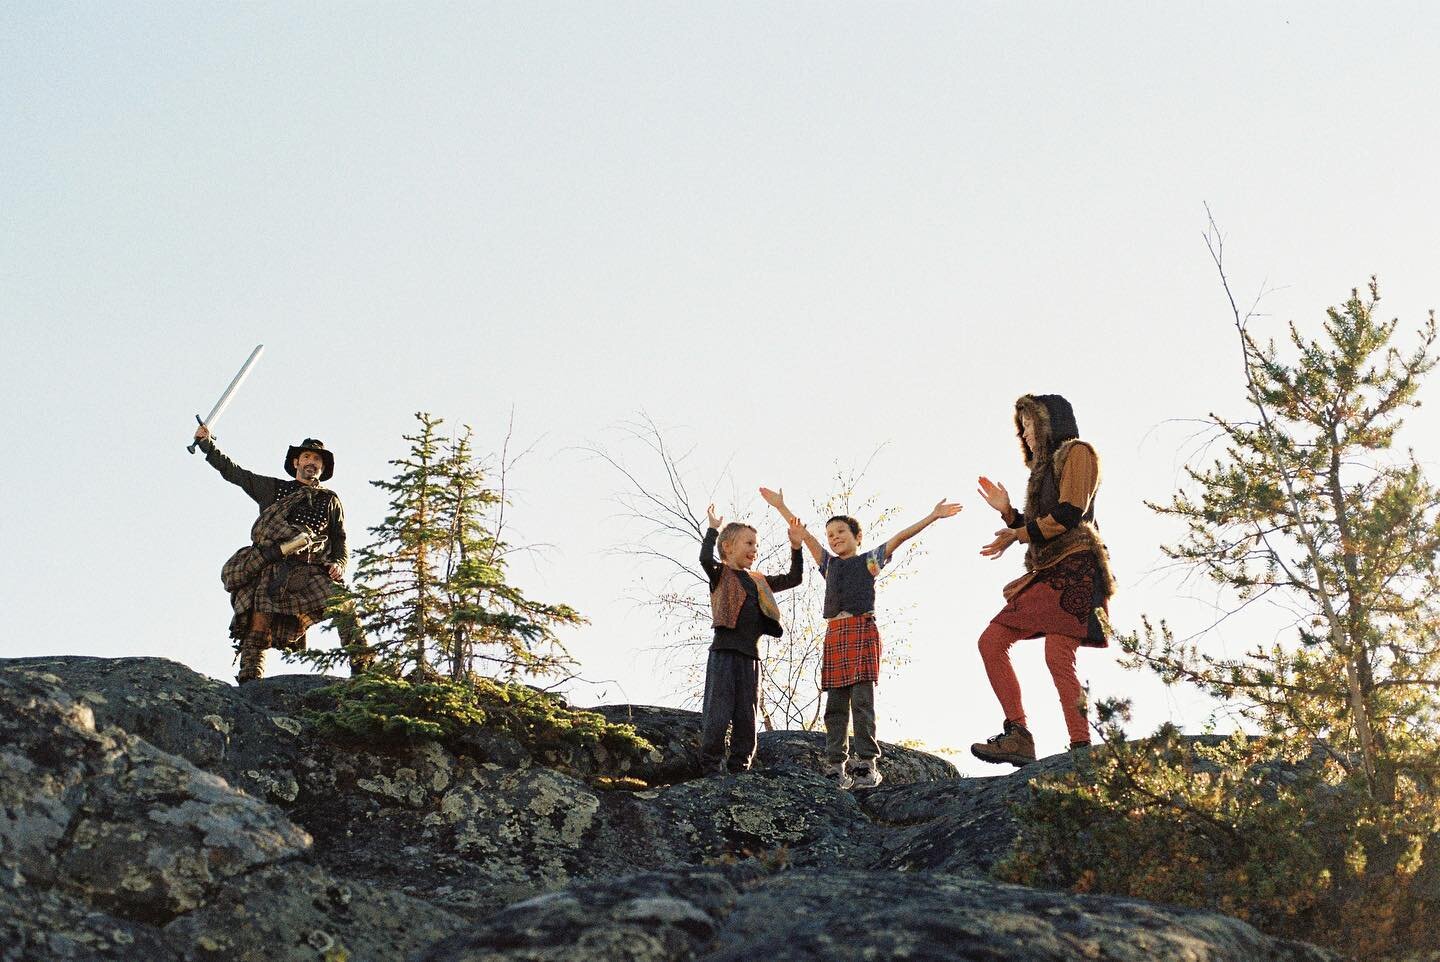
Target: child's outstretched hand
{"x":797,"y":533}
{"x":995,"y":495}
{"x":776,"y":499}
{"x":946,"y":509}
{"x":715,"y":520}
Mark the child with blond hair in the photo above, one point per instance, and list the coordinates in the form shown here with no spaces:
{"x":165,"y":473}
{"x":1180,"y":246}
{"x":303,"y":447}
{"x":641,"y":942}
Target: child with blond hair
{"x":742,"y":605}
{"x":850,"y":664}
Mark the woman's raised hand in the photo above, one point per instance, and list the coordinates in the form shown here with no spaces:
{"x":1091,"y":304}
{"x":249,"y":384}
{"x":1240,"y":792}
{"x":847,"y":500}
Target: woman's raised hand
{"x":1004,"y":538}
{"x":715,"y":520}
{"x":996,"y":496}
{"x":797,"y":532}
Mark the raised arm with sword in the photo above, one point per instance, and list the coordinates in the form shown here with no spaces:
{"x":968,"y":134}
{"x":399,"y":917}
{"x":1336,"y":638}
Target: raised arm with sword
{"x":220,"y":405}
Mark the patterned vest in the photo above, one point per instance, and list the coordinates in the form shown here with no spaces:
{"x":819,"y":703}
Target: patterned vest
{"x":729,"y":596}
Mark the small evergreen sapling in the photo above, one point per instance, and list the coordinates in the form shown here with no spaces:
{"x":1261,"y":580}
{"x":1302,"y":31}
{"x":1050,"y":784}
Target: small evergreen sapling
{"x":431,"y":590}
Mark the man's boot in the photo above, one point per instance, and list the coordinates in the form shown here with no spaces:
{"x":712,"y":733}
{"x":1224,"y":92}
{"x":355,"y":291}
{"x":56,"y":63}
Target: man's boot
{"x":352,"y":638}
{"x":252,"y":661}
{"x":1014,"y":745}
{"x":362,"y":657}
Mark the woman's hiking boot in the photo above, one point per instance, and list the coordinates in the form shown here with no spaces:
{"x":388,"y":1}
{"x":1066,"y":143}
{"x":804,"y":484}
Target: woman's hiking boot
{"x":1014,"y":745}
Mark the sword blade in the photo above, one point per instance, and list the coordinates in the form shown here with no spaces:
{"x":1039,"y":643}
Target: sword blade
{"x":235,"y":383}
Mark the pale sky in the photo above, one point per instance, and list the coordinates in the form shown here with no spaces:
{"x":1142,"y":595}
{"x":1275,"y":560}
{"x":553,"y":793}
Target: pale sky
{"x":791,"y":233}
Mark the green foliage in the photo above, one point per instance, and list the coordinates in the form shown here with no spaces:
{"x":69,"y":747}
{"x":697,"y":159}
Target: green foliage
{"x":1309,"y":509}
{"x":1325,"y":826}
{"x":1287,"y":841}
{"x":431,"y":588}
{"x":381,"y":708}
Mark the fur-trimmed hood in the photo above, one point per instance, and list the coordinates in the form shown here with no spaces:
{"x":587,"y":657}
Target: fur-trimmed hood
{"x":1054,"y":425}
{"x":1056,"y":436}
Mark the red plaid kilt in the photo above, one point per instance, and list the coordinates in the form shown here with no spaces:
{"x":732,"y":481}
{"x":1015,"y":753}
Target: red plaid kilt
{"x":852,"y":652}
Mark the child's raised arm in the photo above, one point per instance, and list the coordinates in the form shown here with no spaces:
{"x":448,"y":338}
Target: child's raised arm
{"x":943,"y":509}
{"x":796,"y":574}
{"x":776,"y":500}
{"x":707,"y":545}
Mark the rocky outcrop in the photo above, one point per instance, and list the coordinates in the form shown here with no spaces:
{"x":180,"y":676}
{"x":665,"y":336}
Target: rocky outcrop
{"x":300,"y":911}
{"x":743,"y":915}
{"x":675,"y":733}
{"x":105,"y":839}
{"x":153,"y":813}
{"x":114,"y":821}
{"x":962,"y":827}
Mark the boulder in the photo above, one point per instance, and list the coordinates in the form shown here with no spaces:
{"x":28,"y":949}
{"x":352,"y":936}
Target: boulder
{"x":794,"y":817}
{"x":963,"y":826}
{"x":47,"y":923}
{"x":740,"y":915}
{"x":675,"y":733}
{"x":113,"y":849}
{"x":648,"y":917}
{"x":111,"y":819}
{"x":301,"y":913}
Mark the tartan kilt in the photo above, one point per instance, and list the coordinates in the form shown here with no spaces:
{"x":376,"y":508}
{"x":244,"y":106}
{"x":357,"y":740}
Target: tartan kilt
{"x":242,"y":569}
{"x":287,"y":588}
{"x":291,"y":587}
{"x":852,"y":652}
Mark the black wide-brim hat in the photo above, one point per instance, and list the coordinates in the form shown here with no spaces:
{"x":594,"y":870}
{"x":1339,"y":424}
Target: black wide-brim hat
{"x":310,"y":444}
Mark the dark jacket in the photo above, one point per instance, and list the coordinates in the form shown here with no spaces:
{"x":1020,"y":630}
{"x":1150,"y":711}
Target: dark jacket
{"x":265,"y":491}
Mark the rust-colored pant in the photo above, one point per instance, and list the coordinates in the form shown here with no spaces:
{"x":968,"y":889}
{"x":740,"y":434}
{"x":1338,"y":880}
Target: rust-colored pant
{"x":995,"y":644}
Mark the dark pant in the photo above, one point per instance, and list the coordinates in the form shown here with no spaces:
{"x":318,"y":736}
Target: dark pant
{"x":732,"y":696}
{"x":840,"y":703}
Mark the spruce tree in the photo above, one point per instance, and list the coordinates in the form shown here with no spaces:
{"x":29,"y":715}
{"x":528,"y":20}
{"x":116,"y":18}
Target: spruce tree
{"x":399,"y":585}
{"x":1311,"y":508}
{"x":430,"y":590}
{"x":491,"y":627}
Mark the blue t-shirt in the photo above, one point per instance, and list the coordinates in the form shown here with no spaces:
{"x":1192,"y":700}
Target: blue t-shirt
{"x":850,"y":582}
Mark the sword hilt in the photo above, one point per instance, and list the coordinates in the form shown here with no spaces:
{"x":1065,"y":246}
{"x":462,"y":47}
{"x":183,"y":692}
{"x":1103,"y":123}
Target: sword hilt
{"x":191,"y":446}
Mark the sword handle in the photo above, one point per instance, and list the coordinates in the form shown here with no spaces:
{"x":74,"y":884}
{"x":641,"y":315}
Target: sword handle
{"x":191,"y":446}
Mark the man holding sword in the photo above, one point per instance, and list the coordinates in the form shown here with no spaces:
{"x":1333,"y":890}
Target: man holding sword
{"x":285,"y":580}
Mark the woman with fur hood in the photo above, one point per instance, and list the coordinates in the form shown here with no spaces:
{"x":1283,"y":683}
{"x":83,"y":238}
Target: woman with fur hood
{"x":1067,"y":584}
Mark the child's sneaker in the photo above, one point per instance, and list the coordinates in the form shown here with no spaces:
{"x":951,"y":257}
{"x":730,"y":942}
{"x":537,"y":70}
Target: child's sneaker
{"x":835,"y":771}
{"x":867,"y":773}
